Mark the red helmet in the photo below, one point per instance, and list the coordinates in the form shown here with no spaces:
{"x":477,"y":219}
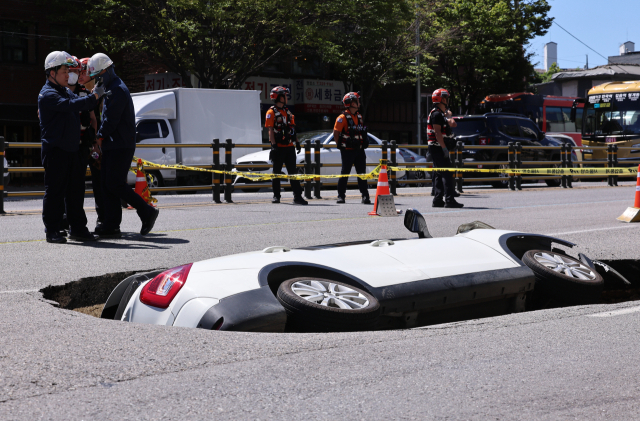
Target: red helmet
{"x":84,"y":61}
{"x":350,"y":97}
{"x":76,"y":64}
{"x":438,"y":94}
{"x":277,"y":91}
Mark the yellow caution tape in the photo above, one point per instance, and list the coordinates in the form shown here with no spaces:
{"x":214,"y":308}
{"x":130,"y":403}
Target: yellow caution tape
{"x":376,"y":171}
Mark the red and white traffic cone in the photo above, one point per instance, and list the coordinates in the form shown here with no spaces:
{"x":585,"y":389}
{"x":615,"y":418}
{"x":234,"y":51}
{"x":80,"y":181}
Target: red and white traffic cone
{"x":381,"y":189}
{"x":142,"y":188}
{"x":633,"y":214}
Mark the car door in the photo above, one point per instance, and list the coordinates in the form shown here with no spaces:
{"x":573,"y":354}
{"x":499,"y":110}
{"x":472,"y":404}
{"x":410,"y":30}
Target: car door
{"x":155,"y":131}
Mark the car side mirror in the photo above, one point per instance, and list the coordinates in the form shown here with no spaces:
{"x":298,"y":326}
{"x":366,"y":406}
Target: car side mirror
{"x":414,"y":222}
{"x":541,"y":135}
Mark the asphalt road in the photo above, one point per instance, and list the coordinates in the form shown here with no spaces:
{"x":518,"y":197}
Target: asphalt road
{"x":545,"y":365}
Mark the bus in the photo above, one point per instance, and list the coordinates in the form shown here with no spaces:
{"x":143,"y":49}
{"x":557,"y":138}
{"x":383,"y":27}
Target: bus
{"x":550,"y":113}
{"x":612,"y":116}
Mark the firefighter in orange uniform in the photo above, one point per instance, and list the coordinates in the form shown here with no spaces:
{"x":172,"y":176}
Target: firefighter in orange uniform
{"x":351,"y":138}
{"x":284,"y":143}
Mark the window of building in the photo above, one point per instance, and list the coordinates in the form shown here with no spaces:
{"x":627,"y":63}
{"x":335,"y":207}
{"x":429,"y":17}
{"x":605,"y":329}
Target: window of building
{"x":17,"y":42}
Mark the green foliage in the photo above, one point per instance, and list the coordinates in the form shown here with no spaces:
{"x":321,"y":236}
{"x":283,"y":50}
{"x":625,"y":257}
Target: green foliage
{"x":485,"y":52}
{"x":553,"y":69}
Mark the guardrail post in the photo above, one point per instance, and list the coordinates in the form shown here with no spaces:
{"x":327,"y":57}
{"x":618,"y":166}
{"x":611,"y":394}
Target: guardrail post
{"x":570,"y":165}
{"x":228,"y":167}
{"x":307,"y":168}
{"x":459,"y":164}
{"x":511,"y":157}
{"x":318,"y":183}
{"x":2,"y":175}
{"x":392,"y":174}
{"x":384,"y":149}
{"x":610,"y":163}
{"x":563,"y":164}
{"x":614,"y":161}
{"x":518,"y":165}
{"x":215,"y":177}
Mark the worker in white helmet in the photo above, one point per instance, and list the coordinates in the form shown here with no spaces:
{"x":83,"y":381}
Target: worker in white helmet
{"x":59,"y":111}
{"x":116,"y":138}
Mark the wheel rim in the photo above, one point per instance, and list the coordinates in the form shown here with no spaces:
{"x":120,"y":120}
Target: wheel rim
{"x":504,"y":176}
{"x":329,"y":294}
{"x":564,"y":266}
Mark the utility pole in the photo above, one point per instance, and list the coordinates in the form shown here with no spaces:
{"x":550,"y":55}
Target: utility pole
{"x":418,"y":114}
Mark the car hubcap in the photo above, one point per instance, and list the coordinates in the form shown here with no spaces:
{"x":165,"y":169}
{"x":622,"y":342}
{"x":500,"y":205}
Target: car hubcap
{"x":565,"y":266}
{"x":329,"y":294}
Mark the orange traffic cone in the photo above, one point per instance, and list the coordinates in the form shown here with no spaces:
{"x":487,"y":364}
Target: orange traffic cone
{"x":141,"y":185}
{"x":382,"y":189}
{"x":633,"y":214}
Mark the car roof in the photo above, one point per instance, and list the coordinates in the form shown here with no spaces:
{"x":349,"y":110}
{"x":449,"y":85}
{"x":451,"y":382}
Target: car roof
{"x":480,"y":116}
{"x":325,"y":136}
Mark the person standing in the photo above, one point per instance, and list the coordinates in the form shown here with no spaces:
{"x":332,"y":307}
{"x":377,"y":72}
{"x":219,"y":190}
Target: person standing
{"x":351,"y":138}
{"x":439,"y":126}
{"x":58,"y":111}
{"x":284,"y":143}
{"x":116,"y":139}
{"x":89,"y":139}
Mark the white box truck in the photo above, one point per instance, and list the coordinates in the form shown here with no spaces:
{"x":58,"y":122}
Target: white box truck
{"x":186,"y":115}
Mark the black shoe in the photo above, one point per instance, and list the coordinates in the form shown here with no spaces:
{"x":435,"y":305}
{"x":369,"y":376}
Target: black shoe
{"x":437,"y":204}
{"x":275,"y":199}
{"x":340,"y":200}
{"x":83,"y":236}
{"x":147,"y":224}
{"x":101,"y":233}
{"x":298,"y":200}
{"x":366,"y":200}
{"x":56,"y":238}
{"x":456,"y":194}
{"x":433,"y":193}
{"x":453,"y":204}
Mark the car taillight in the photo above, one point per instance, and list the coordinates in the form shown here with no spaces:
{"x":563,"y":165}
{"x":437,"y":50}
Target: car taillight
{"x":163,"y":288}
{"x":483,"y":140}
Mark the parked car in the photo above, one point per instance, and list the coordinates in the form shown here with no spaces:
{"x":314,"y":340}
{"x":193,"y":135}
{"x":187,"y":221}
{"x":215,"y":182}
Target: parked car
{"x":327,"y":156}
{"x":410,"y":156}
{"x":6,"y":173}
{"x":362,"y":285}
{"x":499,"y":129}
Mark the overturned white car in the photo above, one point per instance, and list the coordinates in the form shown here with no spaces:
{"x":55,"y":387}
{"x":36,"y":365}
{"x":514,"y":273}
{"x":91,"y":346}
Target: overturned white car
{"x":365,"y":285}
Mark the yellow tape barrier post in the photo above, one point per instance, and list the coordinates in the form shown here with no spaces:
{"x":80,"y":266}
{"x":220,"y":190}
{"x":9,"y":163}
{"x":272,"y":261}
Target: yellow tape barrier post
{"x":2,"y":175}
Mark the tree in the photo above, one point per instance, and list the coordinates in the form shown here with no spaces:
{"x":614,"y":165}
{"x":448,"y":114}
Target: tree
{"x":553,"y":69}
{"x":486,"y":53}
{"x":220,"y":42}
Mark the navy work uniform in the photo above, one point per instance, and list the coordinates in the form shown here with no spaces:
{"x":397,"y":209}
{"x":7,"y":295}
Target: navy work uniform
{"x":59,"y":112}
{"x":118,"y":134}
{"x":444,"y":189}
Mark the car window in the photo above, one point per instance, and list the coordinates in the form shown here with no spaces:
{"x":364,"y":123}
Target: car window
{"x":509,"y":126}
{"x":147,"y":129}
{"x":528,"y":129}
{"x":469,"y":126}
{"x":164,"y":128}
{"x":372,"y":141}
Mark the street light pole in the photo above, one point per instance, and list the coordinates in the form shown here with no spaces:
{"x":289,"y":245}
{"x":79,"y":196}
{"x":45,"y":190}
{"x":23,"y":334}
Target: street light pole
{"x":418,"y":114}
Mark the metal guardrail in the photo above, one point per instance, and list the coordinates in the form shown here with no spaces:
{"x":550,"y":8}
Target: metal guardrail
{"x":223,"y":183}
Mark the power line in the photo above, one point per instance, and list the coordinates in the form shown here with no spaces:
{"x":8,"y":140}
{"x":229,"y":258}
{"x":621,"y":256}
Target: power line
{"x":24,"y":35}
{"x":580,"y":41}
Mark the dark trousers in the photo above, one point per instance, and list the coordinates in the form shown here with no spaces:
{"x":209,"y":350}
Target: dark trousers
{"x":287,"y":157}
{"x":350,"y":158}
{"x":442,"y":180}
{"x":114,"y":169}
{"x":63,"y":184}
{"x":98,"y":193}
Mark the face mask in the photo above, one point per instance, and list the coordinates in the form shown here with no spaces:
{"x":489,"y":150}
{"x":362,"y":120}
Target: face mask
{"x":73,"y":78}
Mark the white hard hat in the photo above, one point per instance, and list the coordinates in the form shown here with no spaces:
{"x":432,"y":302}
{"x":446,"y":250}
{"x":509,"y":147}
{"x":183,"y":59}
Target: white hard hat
{"x":97,"y":63}
{"x":58,"y":58}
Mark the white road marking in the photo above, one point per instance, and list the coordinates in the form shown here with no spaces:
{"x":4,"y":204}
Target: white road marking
{"x":622,"y":227}
{"x":616,"y":312}
{"x":19,"y":291}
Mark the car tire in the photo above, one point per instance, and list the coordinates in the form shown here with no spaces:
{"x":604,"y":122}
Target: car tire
{"x":562,"y":277}
{"x":300,"y":297}
{"x":554,"y":182}
{"x":501,"y":184}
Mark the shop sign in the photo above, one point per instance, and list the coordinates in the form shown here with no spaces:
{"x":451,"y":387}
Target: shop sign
{"x":158,"y":81}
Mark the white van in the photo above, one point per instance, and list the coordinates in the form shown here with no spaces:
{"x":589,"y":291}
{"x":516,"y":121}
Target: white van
{"x":186,"y":115}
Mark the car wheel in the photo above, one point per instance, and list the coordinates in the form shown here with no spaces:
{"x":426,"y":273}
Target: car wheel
{"x":563,"y":277}
{"x":323,"y":305}
{"x":420,"y":175}
{"x":504,"y":182}
{"x":554,"y":182}
{"x":399,"y":181}
{"x":154,"y":179}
